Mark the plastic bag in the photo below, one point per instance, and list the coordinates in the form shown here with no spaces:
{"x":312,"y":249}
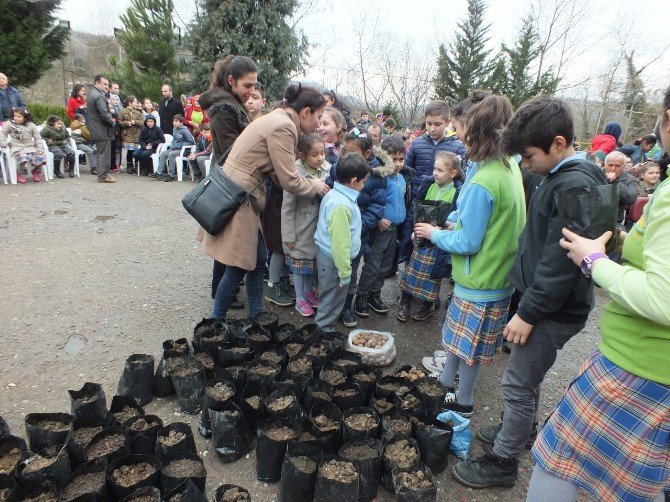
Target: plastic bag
{"x":434,"y":212}
{"x":460,"y":439}
{"x":590,"y":211}
{"x":375,"y":357}
{"x":231,"y":434}
{"x":270,"y":449}
{"x":407,"y":494}
{"x":298,"y":474}
{"x":369,"y":467}
{"x":137,"y":378}
{"x":434,"y":441}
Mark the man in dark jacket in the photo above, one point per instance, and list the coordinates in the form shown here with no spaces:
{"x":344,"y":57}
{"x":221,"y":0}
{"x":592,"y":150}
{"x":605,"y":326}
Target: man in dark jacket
{"x":101,"y":126}
{"x":168,"y":108}
{"x":614,"y":163}
{"x":9,"y":98}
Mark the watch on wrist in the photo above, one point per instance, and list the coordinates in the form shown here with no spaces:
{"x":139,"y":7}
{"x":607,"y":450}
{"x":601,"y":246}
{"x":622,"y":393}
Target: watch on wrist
{"x":588,"y":261}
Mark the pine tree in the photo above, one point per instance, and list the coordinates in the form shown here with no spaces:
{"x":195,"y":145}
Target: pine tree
{"x":254,"y":28}
{"x":634,"y":98}
{"x":30,"y":39}
{"x":149,"y":43}
{"x":465,"y":65}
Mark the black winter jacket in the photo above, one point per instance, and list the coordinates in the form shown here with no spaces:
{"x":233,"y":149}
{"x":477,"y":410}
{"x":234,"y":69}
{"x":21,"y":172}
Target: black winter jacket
{"x":151,"y":135}
{"x":551,"y":286}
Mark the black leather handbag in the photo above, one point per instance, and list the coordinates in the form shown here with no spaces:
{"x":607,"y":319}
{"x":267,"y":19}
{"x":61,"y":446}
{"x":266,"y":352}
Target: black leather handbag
{"x":216,"y":199}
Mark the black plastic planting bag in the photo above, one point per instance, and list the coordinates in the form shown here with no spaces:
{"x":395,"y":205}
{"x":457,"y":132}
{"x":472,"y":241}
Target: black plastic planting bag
{"x":204,"y":326}
{"x":111,"y":444}
{"x":295,"y":384}
{"x":236,"y":375}
{"x":396,"y":426}
{"x":187,"y":492}
{"x":271,"y":440}
{"x":252,"y":405}
{"x":406,"y":461}
{"x":236,"y":353}
{"x":261,"y":374}
{"x":43,"y":489}
{"x":283,"y":405}
{"x":4,"y":428}
{"x":269,"y":321}
{"x":354,"y":428}
{"x":317,"y":391}
{"x":590,"y":212}
{"x":46,"y":429}
{"x":122,"y":408}
{"x":205,"y":358}
{"x":431,"y":393}
{"x":231,"y":435}
{"x":349,"y":362}
{"x":284,"y":332}
{"x":143,"y":432}
{"x":12,"y":452}
{"x":258,"y":338}
{"x":366,"y":454}
{"x":308,"y":332}
{"x":137,"y":378}
{"x":348,"y":396}
{"x":298,"y":474}
{"x":148,"y":493}
{"x":171,"y":349}
{"x":189,"y":381}
{"x":59,"y":470}
{"x":366,"y":380}
{"x":95,"y":485}
{"x":434,"y":440}
{"x":174,"y":471}
{"x":174,"y":438}
{"x":121,"y":490}
{"x":89,"y":402}
{"x":407,"y":494}
{"x":215,"y":392}
{"x":327,"y":489}
{"x":83,"y":430}
{"x":434,"y":212}
{"x":223,"y":490}
{"x":322,"y":414}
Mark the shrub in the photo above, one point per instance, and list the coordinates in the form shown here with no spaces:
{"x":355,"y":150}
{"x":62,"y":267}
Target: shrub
{"x":42,"y":111}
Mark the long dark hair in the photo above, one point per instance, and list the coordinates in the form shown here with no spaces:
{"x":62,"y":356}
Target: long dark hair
{"x":76,"y":89}
{"x":461,"y":109}
{"x":234,"y":66}
{"x":27,"y":116}
{"x":484,"y":125}
{"x":298,"y":97}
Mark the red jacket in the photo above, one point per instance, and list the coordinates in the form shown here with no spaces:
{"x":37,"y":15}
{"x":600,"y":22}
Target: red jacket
{"x":603,"y":142}
{"x":73,"y":104}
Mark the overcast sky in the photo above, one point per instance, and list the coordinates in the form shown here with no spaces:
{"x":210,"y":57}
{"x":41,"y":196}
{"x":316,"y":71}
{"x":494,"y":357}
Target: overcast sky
{"x":427,"y":23}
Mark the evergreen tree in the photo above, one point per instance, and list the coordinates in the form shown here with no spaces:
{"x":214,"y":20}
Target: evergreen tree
{"x":396,"y":115}
{"x":465,"y":65}
{"x":30,"y":39}
{"x":634,"y":99}
{"x":254,"y":28}
{"x":149,"y":43}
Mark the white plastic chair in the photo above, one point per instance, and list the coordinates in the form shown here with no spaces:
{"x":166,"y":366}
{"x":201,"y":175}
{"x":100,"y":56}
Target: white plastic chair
{"x":208,"y":164}
{"x":179,"y":162}
{"x":73,"y":145}
{"x":49,"y":168}
{"x":7,"y":172}
{"x":161,"y":147}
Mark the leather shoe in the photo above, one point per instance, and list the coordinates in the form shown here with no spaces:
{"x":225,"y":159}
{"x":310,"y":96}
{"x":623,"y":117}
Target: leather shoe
{"x":107,"y":179}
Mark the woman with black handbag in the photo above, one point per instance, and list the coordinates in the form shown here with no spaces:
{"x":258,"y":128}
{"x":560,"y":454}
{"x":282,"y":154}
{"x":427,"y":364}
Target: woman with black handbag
{"x":232,"y":83}
{"x":265,"y":148}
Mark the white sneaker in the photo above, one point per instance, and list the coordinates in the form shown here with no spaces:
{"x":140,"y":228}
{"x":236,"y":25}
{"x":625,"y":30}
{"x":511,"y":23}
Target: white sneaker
{"x":440,"y":353}
{"x":434,"y":363}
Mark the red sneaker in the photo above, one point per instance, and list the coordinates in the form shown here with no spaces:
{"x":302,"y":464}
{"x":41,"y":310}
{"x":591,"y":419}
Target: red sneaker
{"x":20,"y":178}
{"x":36,"y":175}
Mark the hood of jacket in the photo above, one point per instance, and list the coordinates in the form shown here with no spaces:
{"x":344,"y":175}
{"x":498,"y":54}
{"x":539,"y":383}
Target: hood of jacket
{"x":149,"y":117}
{"x":216,"y":96}
{"x":613,"y":129}
{"x":383,"y":166}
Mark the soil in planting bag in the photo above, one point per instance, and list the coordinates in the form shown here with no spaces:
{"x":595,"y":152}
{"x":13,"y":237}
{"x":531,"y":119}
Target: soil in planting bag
{"x":47,"y":429}
{"x":87,"y":479}
{"x":111,"y":443}
{"x":434,"y":440}
{"x":143,"y":432}
{"x":271,"y":440}
{"x":258,"y":338}
{"x":189,"y":380}
{"x":298,"y":474}
{"x":124,"y":408}
{"x":360,"y":423}
{"x":201,"y":328}
{"x":415,"y":484}
{"x":83,"y":430}
{"x":174,"y":438}
{"x":146,"y":494}
{"x":235,"y":374}
{"x":89,"y":402}
{"x":317,"y":391}
{"x":284,"y":333}
{"x":231,"y":435}
{"x":295,"y":384}
{"x":12,"y":451}
{"x":348,"y":396}
{"x":236,"y":353}
{"x":366,"y":455}
{"x":50,"y":463}
{"x":182,"y":467}
{"x":269,"y":321}
{"x":388,"y":386}
{"x":132,"y":472}
{"x":203,"y":356}
{"x":326,"y":426}
{"x":294,"y":345}
{"x":186,"y":491}
{"x":431,"y":393}
{"x":461,"y":436}
{"x":42,"y":490}
{"x":218,"y":394}
{"x":231,"y":493}
{"x":383,"y":405}
{"x":332,"y":374}
{"x":261,"y":374}
{"x":336,"y":479}
{"x":283,"y":405}
{"x":300,"y":366}
{"x":349,"y":362}
{"x":4,"y":428}
{"x":402,"y":454}
{"x":318,"y":353}
{"x":137,"y":378}
{"x":162,"y":386}
{"x":334,"y":341}
{"x":433,"y":212}
{"x":396,"y":426}
{"x":273,"y":355}
{"x":214,"y":338}
{"x":409,"y":403}
{"x":590,"y":211}
{"x":366,"y":380}
{"x":251,"y":403}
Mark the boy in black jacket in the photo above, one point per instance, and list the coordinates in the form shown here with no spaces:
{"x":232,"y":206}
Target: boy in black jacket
{"x":150,"y":137}
{"x":555,"y":297}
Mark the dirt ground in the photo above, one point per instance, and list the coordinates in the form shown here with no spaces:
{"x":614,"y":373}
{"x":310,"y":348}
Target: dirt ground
{"x":93,"y":273}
